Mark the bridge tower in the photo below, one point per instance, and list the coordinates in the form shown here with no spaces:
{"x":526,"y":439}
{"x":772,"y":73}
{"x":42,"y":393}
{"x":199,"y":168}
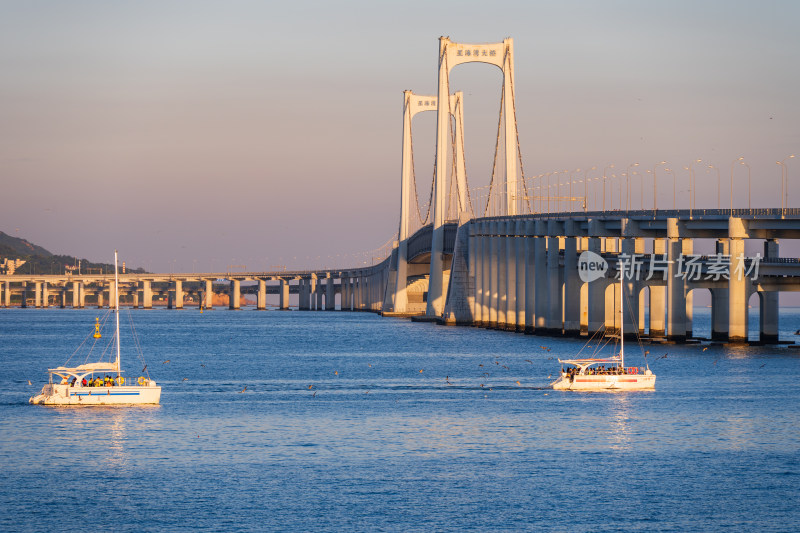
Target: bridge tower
{"x":396,"y":300}
{"x":452,"y":54}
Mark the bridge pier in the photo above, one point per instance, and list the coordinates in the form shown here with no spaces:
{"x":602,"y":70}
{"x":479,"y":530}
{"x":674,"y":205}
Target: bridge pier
{"x":511,"y":276}
{"x":112,"y":296}
{"x":208,"y":294}
{"x":100,"y":299}
{"x":486,"y":274}
{"x":178,"y":300}
{"x":738,"y":292}
{"x":596,"y":296}
{"x":553,"y":322}
{"x":540,"y":272}
{"x":502,"y":274}
{"x":676,"y":291}
{"x":147,"y":294}
{"x":284,"y":294}
{"x":687,"y":248}
{"x":330,"y":294}
{"x":719,"y":301}
{"x":261,"y":299}
{"x":235,"y":295}
{"x":530,"y":276}
{"x":519,"y":260}
{"x":768,"y":314}
{"x":572,"y":283}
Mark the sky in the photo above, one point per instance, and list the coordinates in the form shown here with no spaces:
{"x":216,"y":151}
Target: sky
{"x":194,"y":135}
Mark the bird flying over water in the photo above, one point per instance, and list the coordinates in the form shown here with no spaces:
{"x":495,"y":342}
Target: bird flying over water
{"x":165,"y":362}
{"x":185,"y":379}
{"x":244,"y":389}
{"x":29,"y":382}
{"x":529,"y":361}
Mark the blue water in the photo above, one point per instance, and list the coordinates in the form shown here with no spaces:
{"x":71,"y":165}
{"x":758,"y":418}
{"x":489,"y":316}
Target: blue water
{"x":413,"y":434}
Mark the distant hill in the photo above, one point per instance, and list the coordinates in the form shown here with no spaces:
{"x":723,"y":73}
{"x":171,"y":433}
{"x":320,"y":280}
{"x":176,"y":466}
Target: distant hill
{"x":41,"y":261}
{"x":13,"y":245}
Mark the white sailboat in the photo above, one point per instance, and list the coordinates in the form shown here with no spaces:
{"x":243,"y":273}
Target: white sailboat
{"x":606,"y":374}
{"x":99,"y":383}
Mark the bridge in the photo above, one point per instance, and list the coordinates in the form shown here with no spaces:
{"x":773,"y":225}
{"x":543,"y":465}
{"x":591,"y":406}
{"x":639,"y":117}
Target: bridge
{"x":510,"y":255}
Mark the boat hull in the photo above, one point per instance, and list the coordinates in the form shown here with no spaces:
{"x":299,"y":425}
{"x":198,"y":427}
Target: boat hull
{"x":119,"y":395}
{"x":623,"y":382}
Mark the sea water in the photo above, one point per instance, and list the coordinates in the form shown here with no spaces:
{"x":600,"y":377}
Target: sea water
{"x":331,"y":421}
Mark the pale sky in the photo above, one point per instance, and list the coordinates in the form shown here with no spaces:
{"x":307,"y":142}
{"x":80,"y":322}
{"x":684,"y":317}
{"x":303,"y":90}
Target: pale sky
{"x":192,"y":135}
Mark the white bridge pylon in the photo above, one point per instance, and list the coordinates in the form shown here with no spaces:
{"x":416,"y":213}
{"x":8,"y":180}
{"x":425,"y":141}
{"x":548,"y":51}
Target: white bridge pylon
{"x":452,"y":54}
{"x":396,"y":299}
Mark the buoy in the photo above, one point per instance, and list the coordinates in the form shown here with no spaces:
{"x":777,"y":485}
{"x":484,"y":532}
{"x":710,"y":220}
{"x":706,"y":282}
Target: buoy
{"x":97,"y":328}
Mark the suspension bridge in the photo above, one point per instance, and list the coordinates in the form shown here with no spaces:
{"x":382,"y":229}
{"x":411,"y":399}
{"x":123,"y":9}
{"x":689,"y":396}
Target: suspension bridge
{"x":509,"y":255}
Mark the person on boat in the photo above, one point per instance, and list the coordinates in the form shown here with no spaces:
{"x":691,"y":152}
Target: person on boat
{"x":83,"y":382}
{"x":72,"y":383}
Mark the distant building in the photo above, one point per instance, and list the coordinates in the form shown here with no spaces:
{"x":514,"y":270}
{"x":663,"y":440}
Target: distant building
{"x":9,"y":266}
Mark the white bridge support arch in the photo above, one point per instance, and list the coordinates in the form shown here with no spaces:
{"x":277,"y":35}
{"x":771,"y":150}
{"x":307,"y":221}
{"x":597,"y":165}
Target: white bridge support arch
{"x":396,"y":300}
{"x":452,"y":54}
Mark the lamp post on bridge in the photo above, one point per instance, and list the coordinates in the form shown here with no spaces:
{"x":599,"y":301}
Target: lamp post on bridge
{"x":719,"y":203}
{"x":674,"y":186}
{"x":692,"y":188}
{"x":741,"y":162}
{"x":655,"y":186}
{"x":586,"y":188}
{"x":628,"y":172}
{"x":604,"y":184}
{"x":784,"y":184}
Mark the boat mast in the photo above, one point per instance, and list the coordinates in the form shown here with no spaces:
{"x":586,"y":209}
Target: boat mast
{"x":621,"y":320}
{"x":116,"y":305}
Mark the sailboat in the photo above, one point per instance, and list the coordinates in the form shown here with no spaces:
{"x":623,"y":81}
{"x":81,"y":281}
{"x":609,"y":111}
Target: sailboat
{"x":606,"y":374}
{"x":98,"y":383}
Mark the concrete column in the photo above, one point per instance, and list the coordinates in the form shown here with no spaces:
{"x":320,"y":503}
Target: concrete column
{"x":112,"y":297}
{"x":234,"y":294}
{"x":100,"y":298}
{"x":45,"y":295}
{"x":312,"y":293}
{"x":261,"y":299}
{"x":320,"y":290}
{"x":178,"y":294}
{"x":519,"y":258}
{"x":76,"y":295}
{"x":541,"y":282}
{"x":719,"y":302}
{"x":37,"y":291}
{"x":511,"y":276}
{"x":147,"y":294}
{"x":502,"y":275}
{"x":330,"y":294}
{"x":486,"y":274}
{"x":284,"y":303}
{"x":630,"y":302}
{"x":344,"y":282}
{"x":572,"y":284}
{"x":493,"y":268}
{"x":136,"y":297}
{"x":82,"y":289}
{"x":2,"y":294}
{"x":768,"y":314}
{"x":687,"y":248}
{"x":738,"y":295}
{"x":596,"y":295}
{"x":554,"y":289}
{"x":658,"y":296}
{"x":474,"y":267}
{"x":24,"y":299}
{"x":676,"y":292}
{"x":208,"y":294}
{"x":530,"y":277}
